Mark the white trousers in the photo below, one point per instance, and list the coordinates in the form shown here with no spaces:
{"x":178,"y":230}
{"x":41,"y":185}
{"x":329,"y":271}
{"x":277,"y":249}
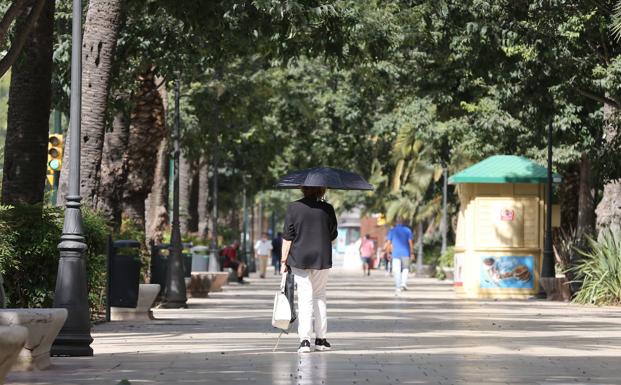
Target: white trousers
{"x":400,"y":270}
{"x":311,"y":302}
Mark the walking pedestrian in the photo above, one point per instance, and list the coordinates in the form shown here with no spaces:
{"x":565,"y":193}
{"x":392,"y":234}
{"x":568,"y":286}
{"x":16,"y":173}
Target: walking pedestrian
{"x":310,"y":228}
{"x":367,"y":248}
{"x":276,"y":252}
{"x":263,"y":249}
{"x":402,"y":245}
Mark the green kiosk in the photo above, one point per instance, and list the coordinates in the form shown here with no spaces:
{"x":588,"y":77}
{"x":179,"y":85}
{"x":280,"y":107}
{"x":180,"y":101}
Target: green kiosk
{"x":500,"y":227}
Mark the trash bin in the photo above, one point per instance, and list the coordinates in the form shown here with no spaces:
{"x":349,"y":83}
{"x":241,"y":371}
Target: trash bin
{"x":124,"y":273}
{"x":187,"y":259}
{"x":200,"y":258}
{"x":159,"y":264}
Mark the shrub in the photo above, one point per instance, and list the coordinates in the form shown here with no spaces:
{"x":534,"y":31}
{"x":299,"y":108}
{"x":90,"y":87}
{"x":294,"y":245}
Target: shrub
{"x":29,"y":236}
{"x":445,"y":260}
{"x":599,"y":271}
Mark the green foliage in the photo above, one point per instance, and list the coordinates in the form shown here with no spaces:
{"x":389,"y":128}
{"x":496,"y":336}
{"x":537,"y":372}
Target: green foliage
{"x":29,"y":236}
{"x":599,"y":271}
{"x":131,"y":230}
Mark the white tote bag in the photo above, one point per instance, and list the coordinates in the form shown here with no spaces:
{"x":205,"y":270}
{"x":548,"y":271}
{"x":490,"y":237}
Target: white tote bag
{"x":281,"y":315}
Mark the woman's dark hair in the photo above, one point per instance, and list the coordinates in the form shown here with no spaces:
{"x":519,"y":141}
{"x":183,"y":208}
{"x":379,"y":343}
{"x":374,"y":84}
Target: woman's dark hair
{"x":313,"y":192}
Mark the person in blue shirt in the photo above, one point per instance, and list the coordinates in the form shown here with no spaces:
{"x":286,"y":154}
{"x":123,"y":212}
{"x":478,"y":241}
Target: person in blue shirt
{"x":402,"y":244}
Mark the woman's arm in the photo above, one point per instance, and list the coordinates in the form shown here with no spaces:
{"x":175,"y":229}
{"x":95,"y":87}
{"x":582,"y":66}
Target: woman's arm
{"x":286,"y":247}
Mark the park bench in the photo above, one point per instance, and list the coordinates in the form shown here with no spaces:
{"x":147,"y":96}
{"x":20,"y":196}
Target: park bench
{"x":12,"y":340}
{"x":147,"y":293}
{"x":43,"y":325}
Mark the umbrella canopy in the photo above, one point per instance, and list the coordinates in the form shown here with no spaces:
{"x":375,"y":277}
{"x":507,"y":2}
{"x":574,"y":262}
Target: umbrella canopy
{"x":329,"y":177}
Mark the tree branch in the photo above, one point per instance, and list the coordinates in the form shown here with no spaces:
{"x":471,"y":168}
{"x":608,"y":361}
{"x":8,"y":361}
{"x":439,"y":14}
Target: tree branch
{"x":22,"y":34}
{"x":599,"y":98}
{"x":15,"y":9}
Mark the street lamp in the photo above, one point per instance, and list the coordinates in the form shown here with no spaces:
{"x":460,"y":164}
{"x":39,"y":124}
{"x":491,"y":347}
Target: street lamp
{"x":174,"y":293}
{"x":444,"y":223}
{"x":74,"y":338}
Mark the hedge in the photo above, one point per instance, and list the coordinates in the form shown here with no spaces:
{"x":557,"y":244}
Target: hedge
{"x":29,"y":236}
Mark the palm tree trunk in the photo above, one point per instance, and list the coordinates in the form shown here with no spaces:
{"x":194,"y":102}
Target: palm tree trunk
{"x":25,"y":155}
{"x":146,"y":131}
{"x":203,"y":198}
{"x":114,"y":170}
{"x":103,"y":22}
{"x":157,"y":200}
{"x":185,"y":189}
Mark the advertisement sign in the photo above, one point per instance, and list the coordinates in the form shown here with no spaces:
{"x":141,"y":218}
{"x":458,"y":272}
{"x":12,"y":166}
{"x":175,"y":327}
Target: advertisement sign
{"x":507,"y":272}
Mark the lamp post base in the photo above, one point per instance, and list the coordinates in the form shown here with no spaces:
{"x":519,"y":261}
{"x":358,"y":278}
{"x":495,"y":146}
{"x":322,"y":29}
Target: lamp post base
{"x":72,"y":345}
{"x":173,"y":305}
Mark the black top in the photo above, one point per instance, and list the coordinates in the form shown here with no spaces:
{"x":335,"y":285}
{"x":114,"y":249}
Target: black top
{"x":311,"y":226}
{"x":277,"y":247}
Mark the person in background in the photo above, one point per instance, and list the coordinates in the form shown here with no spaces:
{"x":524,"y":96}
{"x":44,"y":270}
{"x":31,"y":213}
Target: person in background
{"x":276,"y":252}
{"x":310,"y":228}
{"x":263,"y":249}
{"x":387,"y":257}
{"x":401,"y":243}
{"x":230,"y":260}
{"x":367,"y":248}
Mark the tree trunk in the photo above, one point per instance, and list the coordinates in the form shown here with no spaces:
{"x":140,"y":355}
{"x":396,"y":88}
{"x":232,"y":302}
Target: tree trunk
{"x":103,"y":22}
{"x":586,"y":199}
{"x":146,"y":131}
{"x":193,"y":203}
{"x":609,"y":208}
{"x":185,"y":190}
{"x":114,"y":170}
{"x":568,"y":190}
{"x":203,"y":199}
{"x":157,"y":200}
{"x":30,"y":93}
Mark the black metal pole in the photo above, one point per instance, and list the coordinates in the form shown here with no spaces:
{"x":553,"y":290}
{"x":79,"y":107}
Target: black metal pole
{"x":547,"y":268}
{"x":444,"y":224}
{"x":175,"y":294}
{"x":109,"y":252}
{"x":71,"y":293}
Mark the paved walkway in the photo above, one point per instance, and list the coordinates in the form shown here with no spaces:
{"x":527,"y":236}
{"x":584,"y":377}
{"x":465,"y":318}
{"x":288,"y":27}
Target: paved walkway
{"x":424,"y":337}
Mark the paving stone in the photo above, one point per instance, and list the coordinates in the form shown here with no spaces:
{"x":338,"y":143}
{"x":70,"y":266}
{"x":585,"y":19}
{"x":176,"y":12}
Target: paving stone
{"x":426,"y":336}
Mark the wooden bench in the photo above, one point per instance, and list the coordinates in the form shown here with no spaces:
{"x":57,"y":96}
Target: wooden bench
{"x":43,"y":326}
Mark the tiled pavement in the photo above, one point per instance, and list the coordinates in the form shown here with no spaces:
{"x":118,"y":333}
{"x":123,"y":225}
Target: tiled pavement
{"x":426,"y":336}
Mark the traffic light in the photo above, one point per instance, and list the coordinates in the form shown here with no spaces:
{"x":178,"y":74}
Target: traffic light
{"x":55,"y":153}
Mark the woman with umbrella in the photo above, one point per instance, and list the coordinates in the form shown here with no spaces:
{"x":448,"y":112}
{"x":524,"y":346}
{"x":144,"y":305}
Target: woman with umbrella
{"x":310,"y":227}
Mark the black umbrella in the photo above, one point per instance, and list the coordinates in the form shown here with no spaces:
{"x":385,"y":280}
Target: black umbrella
{"x":329,"y":177}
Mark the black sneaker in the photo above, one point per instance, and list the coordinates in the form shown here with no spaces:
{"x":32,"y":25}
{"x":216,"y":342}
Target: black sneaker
{"x":304,"y":347}
{"x":322,"y":344}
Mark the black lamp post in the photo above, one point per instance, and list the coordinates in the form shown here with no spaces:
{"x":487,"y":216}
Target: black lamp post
{"x":174,"y":293}
{"x":547,"y":268}
{"x":74,"y":338}
{"x":444,"y":223}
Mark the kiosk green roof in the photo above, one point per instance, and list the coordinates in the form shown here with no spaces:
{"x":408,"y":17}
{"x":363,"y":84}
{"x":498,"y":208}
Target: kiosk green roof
{"x":504,"y":169}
